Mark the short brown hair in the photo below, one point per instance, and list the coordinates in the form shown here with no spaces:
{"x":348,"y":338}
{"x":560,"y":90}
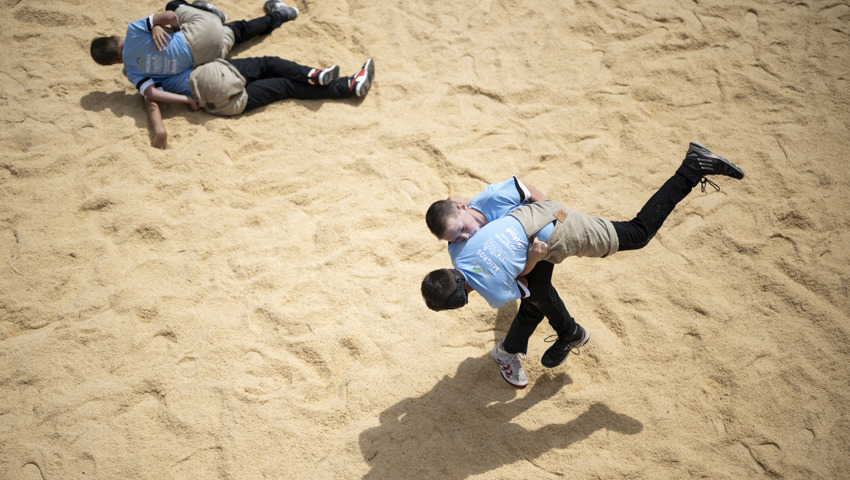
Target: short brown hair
{"x":438,"y":288}
{"x":104,"y":50}
{"x":438,"y":216}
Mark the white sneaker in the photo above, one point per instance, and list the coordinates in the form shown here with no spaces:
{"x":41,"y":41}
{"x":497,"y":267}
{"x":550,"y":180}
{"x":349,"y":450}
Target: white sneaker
{"x":360,"y":83}
{"x":323,"y":76}
{"x":510,"y":366}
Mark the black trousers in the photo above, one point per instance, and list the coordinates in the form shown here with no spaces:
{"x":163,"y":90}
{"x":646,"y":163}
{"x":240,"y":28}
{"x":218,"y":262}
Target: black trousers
{"x":632,"y":235}
{"x":271,"y":79}
{"x":243,"y":30}
{"x":543,"y":301}
{"x":637,"y":232}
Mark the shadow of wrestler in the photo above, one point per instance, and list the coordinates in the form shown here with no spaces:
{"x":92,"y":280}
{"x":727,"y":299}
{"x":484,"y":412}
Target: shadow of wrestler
{"x":459,"y":428}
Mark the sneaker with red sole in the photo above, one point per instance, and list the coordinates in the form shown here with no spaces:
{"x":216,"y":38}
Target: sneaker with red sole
{"x":362,"y":80}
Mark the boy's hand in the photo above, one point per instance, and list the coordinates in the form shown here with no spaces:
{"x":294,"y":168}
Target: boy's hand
{"x":160,"y":37}
{"x":160,"y":140}
{"x":538,"y":249}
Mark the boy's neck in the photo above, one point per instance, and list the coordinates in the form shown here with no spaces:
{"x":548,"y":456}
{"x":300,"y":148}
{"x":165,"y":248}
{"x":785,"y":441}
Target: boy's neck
{"x":478,"y":217}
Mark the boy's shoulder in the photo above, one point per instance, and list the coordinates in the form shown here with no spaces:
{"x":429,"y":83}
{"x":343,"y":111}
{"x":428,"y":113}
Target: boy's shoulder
{"x":498,"y":199}
{"x":510,"y":188}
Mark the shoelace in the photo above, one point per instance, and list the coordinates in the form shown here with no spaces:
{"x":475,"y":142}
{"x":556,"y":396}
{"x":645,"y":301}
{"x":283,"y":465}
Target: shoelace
{"x":514,"y":356}
{"x":703,"y":181}
{"x":574,"y":351}
{"x":515,"y":361}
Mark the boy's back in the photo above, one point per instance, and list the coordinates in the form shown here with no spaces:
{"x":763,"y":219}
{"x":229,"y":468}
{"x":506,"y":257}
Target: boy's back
{"x":492,"y":259}
{"x":497,"y":200}
{"x":143,"y":61}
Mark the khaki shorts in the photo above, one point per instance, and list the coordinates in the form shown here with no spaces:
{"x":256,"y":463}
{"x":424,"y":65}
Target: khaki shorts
{"x":207,"y":38}
{"x":219,"y":88}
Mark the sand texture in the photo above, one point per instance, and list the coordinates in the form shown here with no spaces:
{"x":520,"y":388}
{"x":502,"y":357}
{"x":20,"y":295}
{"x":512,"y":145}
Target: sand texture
{"x":246,"y":304}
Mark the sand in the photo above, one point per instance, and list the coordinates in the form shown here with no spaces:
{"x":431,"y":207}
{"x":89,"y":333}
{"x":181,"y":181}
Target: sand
{"x":246,"y":303}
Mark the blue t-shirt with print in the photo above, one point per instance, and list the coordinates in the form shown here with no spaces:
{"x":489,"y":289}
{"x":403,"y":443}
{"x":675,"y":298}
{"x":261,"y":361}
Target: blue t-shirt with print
{"x":492,"y":258}
{"x":141,"y":60}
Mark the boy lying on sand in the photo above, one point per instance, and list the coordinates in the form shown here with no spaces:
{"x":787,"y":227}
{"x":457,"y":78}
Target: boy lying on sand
{"x":232,"y":87}
{"x":181,"y":38}
{"x":176,"y":56}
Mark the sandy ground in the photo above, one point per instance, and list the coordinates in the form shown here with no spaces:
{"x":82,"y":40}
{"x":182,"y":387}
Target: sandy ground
{"x":246,"y":304}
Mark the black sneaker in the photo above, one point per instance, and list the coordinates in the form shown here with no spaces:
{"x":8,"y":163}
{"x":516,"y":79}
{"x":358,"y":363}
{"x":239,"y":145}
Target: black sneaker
{"x":210,"y":8}
{"x":704,"y":162}
{"x":558,"y":352}
{"x":287,"y":12}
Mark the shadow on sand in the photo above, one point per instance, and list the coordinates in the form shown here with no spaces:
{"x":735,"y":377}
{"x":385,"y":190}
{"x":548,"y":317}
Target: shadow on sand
{"x":463,"y":427}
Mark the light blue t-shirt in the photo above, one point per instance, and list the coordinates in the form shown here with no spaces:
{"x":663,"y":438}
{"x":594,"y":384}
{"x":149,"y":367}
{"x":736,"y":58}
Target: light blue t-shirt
{"x":141,"y":60}
{"x":492,"y":258}
{"x":498,"y":199}
{"x":177,"y":83}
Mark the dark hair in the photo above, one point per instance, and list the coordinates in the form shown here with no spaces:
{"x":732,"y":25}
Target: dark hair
{"x":438,"y":216}
{"x":444,"y":289}
{"x":104,"y":50}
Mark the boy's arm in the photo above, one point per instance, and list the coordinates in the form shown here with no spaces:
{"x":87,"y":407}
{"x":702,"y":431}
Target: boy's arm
{"x":160,"y":138}
{"x":167,"y":22}
{"x":536,"y":195}
{"x":522,"y":281}
{"x":167,"y":18}
{"x":156,"y":95}
{"x":536,"y":252}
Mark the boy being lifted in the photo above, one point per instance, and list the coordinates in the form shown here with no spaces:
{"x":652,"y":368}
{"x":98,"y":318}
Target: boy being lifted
{"x":491,"y":260}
